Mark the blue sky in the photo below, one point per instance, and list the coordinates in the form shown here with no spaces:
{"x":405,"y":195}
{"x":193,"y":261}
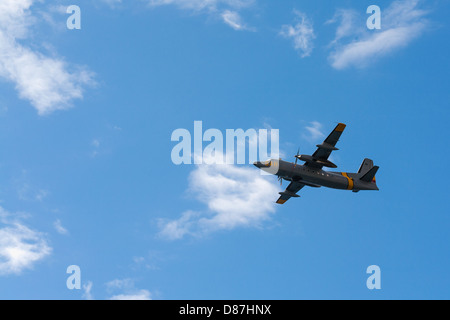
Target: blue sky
{"x":86,"y":118}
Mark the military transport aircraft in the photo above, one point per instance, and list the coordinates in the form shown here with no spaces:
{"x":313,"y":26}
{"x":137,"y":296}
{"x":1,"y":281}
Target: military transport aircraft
{"x":311,"y":174}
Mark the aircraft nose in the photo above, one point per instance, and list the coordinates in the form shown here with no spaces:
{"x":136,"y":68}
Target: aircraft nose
{"x":261,"y":165}
{"x":257,"y":164}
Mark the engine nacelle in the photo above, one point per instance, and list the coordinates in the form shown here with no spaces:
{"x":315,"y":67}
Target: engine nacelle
{"x":311,"y":159}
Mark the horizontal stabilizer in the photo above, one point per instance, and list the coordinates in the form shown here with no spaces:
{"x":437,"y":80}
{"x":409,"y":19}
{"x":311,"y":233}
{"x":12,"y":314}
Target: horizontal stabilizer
{"x":289,"y":194}
{"x":370,"y":174}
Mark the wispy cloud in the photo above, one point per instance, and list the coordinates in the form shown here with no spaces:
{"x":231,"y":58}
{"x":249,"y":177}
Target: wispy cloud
{"x":402,"y":22}
{"x":95,"y":144}
{"x":44,"y":81}
{"x":314,"y":131}
{"x":349,"y":20}
{"x":234,"y":197}
{"x":129,"y":291}
{"x":233,"y":19}
{"x":212,"y":5}
{"x":87,"y":290}
{"x":118,"y":289}
{"x":136,"y":295}
{"x":301,"y":34}
{"x":20,"y":246}
{"x":59,"y":227}
{"x":27,"y":191}
{"x":227,"y":10}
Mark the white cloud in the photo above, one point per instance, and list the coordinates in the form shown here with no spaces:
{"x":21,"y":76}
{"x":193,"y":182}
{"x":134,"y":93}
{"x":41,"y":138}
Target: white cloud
{"x":349,"y":20}
{"x":137,"y":295}
{"x":234,"y":197}
{"x":130,"y":292}
{"x":302,"y":34}
{"x":315,"y":132}
{"x":401,"y":23}
{"x":15,"y":17}
{"x":26,"y":191}
{"x":233,"y":19}
{"x":177,"y":229}
{"x":59,"y":227}
{"x":42,"y":80}
{"x":210,"y":5}
{"x":20,"y":246}
{"x":87,"y":290}
{"x":41,"y":194}
{"x":227,"y":10}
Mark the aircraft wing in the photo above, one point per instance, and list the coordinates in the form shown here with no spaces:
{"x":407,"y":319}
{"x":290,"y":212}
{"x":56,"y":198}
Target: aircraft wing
{"x":320,"y":157}
{"x":291,"y":191}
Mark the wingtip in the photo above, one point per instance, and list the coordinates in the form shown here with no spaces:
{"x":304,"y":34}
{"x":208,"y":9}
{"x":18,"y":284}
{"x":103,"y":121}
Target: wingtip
{"x":340,"y":127}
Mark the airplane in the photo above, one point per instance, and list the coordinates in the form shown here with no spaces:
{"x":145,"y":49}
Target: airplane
{"x":311,"y":174}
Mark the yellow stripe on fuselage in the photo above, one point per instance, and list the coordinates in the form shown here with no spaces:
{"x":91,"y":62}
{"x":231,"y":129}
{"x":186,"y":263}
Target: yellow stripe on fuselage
{"x":350,"y":180}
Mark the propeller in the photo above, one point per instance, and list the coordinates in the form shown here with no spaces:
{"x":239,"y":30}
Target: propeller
{"x":296,"y":156}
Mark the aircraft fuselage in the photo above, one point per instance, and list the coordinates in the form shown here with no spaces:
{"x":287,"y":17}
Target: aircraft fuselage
{"x":315,"y":177}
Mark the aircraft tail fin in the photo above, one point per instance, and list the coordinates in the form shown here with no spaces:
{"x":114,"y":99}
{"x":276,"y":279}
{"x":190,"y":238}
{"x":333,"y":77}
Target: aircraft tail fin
{"x":366,"y":165}
{"x":367,"y":172}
